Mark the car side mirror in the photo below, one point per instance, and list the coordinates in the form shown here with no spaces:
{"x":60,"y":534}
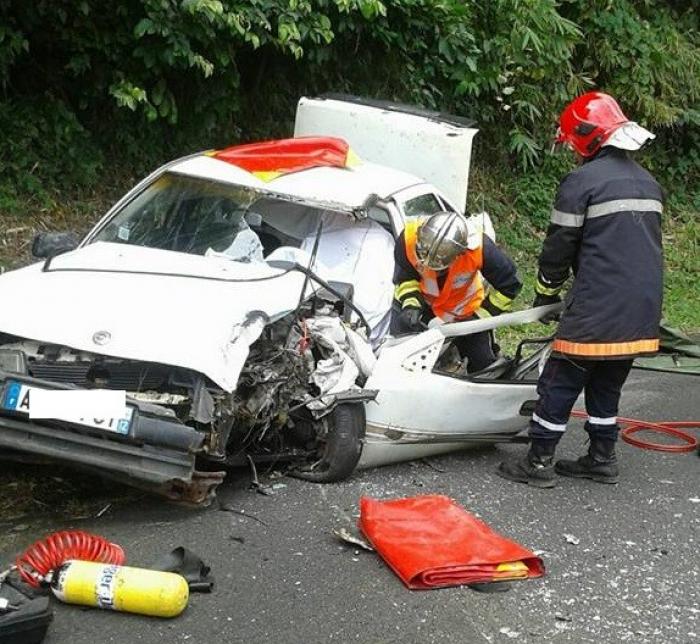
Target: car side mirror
{"x":47,"y":245}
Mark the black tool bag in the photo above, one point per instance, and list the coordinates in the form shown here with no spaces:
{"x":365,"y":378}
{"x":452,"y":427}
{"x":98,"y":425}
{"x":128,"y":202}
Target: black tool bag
{"x":26,"y":618}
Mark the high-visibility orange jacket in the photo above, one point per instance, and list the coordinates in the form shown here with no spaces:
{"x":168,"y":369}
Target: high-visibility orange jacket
{"x":463,"y":290}
{"x":457,"y":293}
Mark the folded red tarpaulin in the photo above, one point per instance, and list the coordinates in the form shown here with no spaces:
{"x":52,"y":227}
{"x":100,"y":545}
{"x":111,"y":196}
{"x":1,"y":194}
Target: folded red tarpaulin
{"x":270,"y":159}
{"x":431,"y":542}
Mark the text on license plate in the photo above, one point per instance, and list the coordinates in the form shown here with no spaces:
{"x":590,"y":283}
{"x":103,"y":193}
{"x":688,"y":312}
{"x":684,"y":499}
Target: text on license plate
{"x":17,"y":398}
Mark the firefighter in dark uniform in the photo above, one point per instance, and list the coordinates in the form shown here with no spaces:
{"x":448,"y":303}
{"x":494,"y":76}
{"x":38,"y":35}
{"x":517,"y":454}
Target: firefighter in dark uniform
{"x":606,"y":229}
{"x":439,"y":264}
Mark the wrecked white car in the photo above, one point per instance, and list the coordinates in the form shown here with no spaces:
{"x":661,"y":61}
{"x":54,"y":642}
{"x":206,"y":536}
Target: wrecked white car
{"x":239,"y":301}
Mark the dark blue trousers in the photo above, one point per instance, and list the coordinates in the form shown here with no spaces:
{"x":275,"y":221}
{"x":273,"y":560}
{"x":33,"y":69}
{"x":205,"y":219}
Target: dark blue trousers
{"x":562,"y":381}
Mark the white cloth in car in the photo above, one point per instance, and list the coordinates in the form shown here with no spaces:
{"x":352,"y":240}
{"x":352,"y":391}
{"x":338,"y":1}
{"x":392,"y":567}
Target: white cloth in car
{"x":348,"y":356}
{"x":245,"y":247}
{"x":360,"y":253}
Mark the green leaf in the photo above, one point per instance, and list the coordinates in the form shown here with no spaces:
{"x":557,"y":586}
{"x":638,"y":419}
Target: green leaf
{"x":143,"y":27}
{"x":158,"y":92}
{"x":445,"y":51}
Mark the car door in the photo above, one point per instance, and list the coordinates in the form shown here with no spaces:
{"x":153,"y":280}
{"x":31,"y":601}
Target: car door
{"x":421,"y":410}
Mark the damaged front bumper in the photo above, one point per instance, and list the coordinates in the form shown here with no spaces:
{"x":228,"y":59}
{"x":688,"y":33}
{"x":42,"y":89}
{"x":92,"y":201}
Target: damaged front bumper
{"x":158,"y":453}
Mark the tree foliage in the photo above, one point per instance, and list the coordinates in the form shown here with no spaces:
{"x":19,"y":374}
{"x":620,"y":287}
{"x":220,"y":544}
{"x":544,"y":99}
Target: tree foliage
{"x":142,"y":79}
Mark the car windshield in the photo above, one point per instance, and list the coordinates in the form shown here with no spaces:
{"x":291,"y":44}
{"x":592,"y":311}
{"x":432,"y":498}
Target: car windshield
{"x":204,"y":217}
{"x":184,"y":214}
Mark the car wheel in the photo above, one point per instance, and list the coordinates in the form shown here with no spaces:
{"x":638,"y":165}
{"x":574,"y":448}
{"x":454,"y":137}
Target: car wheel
{"x":340,"y":436}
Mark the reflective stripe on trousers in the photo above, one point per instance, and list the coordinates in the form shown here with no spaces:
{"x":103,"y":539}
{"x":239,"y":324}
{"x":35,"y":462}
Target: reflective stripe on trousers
{"x":560,"y":384}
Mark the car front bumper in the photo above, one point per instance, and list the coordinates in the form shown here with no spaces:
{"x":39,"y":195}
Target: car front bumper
{"x":158,"y":455}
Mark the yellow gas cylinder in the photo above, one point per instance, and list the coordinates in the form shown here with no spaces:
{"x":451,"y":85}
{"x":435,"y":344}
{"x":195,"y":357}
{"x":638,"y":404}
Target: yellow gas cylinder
{"x":122,"y":588}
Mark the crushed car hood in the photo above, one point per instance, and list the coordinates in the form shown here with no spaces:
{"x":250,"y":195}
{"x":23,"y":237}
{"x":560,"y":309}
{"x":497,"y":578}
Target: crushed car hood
{"x":199,"y":313}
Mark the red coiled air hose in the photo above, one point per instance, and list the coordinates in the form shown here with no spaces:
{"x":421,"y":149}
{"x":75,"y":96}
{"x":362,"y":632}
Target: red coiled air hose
{"x":631,"y":426}
{"x":49,"y":553}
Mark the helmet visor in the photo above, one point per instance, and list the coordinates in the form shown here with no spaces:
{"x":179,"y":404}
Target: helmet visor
{"x":441,"y":239}
{"x":438,"y":256}
{"x":431,"y":257}
{"x":421,"y":251}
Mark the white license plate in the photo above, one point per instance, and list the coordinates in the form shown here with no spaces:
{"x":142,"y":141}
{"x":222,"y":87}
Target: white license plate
{"x":17,"y":398}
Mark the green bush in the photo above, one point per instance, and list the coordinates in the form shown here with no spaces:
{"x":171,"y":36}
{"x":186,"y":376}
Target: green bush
{"x":42,"y":143}
{"x":94,"y":93}
{"x":85,"y":84}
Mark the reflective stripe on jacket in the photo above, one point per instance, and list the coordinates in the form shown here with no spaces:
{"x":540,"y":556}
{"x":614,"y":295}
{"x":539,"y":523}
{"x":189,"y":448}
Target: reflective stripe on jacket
{"x":606,"y":227}
{"x":463,"y":290}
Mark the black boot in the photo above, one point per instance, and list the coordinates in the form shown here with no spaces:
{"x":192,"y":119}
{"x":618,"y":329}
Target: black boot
{"x":600,"y":464}
{"x":534,"y":468}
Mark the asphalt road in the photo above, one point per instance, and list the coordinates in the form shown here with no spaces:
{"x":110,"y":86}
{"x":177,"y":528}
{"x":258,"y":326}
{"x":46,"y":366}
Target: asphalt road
{"x":632,"y":577}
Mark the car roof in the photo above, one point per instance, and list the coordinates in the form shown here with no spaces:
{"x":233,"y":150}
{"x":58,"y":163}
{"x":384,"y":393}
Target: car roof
{"x":340,"y":188}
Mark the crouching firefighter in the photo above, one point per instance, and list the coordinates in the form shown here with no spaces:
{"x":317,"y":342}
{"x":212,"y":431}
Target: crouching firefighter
{"x":606,"y":227}
{"x":440,"y":268}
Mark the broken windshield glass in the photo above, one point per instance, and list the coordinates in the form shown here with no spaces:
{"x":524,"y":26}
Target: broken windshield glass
{"x":188,"y":215}
{"x":204,"y":217}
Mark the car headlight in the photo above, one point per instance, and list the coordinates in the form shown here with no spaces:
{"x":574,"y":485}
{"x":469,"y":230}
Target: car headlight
{"x":13,"y":360}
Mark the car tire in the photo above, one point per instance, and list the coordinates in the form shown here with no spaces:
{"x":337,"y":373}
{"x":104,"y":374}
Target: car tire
{"x":343,"y":446}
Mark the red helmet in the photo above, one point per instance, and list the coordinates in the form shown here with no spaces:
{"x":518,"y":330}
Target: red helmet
{"x":588,"y":121}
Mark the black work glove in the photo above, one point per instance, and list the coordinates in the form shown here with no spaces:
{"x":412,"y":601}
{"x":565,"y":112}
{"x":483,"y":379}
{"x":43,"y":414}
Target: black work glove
{"x":544,"y":300}
{"x":410,"y":320}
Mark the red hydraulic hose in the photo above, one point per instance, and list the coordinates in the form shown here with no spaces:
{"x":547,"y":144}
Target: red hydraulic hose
{"x":631,"y":426}
{"x":49,"y":553}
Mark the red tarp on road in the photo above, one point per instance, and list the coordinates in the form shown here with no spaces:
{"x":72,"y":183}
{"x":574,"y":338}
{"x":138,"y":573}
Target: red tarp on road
{"x":431,"y":542}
